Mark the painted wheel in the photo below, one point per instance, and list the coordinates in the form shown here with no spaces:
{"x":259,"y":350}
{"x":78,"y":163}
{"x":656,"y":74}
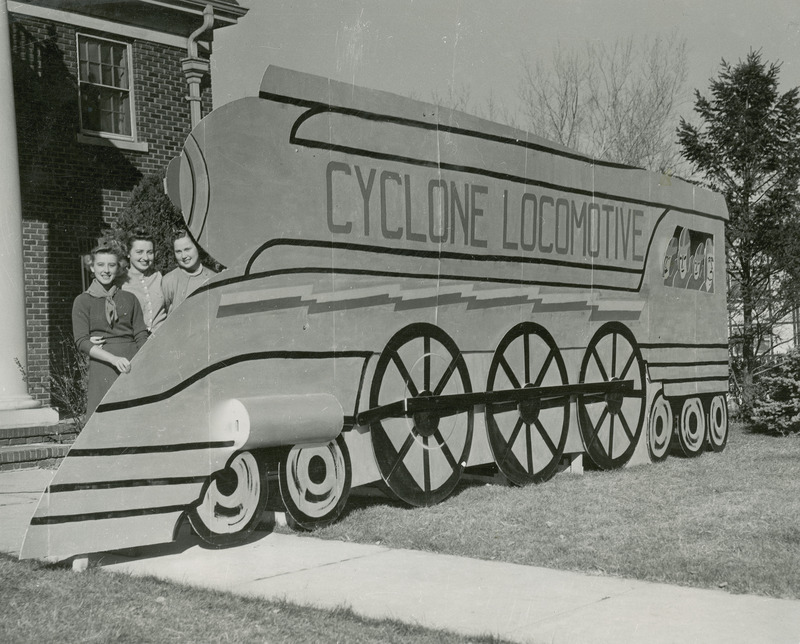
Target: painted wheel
{"x":611,"y":424}
{"x":421,"y":458}
{"x":315,"y":483}
{"x":717,"y":435}
{"x":527,"y":438}
{"x":692,"y":427}
{"x":659,"y":430}
{"x":232,"y":502}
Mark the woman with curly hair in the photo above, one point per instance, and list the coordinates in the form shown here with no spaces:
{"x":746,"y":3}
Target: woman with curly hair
{"x":107,"y":323}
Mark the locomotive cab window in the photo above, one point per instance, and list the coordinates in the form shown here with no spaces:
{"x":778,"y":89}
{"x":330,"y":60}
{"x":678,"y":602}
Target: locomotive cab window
{"x":106,"y":95}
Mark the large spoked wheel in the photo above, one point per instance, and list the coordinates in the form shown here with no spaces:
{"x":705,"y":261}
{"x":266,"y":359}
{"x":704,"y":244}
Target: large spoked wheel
{"x":315,"y":483}
{"x":692,"y":427}
{"x":659,"y":429}
{"x":611,"y":424}
{"x":232,"y":502}
{"x":421,"y":457}
{"x":717,"y":433}
{"x":527,"y":438}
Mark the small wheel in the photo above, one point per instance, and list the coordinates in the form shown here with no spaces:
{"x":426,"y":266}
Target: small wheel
{"x":659,"y":430}
{"x":315,"y":483}
{"x":421,"y":458}
{"x":611,"y":424}
{"x":692,"y":427}
{"x":717,"y":434}
{"x":527,"y":438}
{"x":232,"y":502}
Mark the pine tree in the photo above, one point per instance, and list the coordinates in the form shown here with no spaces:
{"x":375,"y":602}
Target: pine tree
{"x":747,"y":147}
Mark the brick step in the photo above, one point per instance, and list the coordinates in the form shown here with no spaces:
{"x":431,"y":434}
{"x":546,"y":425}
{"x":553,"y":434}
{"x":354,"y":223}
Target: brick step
{"x":59,"y":433}
{"x":20,"y":457}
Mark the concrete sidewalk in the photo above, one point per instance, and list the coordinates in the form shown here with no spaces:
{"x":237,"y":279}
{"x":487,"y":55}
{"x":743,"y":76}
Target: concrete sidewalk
{"x":518,"y":603}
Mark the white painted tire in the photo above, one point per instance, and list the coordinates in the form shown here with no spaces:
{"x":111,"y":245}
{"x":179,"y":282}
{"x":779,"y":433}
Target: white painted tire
{"x":718,"y":423}
{"x":659,"y":429}
{"x":232,"y":503}
{"x":315,"y":483}
{"x":692,"y":427}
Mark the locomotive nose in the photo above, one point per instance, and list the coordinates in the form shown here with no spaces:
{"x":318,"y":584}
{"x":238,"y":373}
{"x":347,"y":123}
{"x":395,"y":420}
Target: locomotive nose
{"x":186,"y":184}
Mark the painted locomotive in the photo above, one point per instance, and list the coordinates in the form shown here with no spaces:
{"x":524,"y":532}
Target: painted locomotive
{"x":410,"y":292}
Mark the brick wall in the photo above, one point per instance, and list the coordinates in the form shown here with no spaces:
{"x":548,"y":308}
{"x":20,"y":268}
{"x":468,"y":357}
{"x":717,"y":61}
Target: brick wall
{"x":71,"y":191}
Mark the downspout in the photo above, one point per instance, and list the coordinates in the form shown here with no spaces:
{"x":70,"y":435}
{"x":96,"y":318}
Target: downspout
{"x":194,"y":67}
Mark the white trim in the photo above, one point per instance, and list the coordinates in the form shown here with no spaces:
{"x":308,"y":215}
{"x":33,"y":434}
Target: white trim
{"x":86,"y":22}
{"x":121,"y":144}
{"x":223,"y":12}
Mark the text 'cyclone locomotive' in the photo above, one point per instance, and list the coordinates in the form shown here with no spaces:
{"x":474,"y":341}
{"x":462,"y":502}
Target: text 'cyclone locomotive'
{"x":409,"y":292}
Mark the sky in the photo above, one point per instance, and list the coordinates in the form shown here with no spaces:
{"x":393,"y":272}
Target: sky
{"x":417,"y":47}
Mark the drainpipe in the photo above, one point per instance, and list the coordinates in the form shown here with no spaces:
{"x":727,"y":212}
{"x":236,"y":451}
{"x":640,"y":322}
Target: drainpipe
{"x":194,"y":67}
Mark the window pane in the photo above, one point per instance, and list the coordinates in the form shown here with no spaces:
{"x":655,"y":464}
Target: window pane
{"x":107,"y":121}
{"x":125,"y":115}
{"x":121,"y":71}
{"x":120,"y":78}
{"x":94,"y":73}
{"x":90,"y":107}
{"x":93,"y":55}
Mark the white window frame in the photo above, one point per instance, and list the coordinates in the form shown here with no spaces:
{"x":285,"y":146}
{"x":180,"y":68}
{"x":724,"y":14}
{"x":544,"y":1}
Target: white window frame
{"x":86,"y":135}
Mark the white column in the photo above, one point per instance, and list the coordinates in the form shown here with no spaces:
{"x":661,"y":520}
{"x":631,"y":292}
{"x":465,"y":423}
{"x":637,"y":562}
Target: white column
{"x":17,"y":408}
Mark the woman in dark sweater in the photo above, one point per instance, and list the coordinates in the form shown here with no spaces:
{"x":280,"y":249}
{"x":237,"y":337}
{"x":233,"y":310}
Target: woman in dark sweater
{"x":107,"y":324}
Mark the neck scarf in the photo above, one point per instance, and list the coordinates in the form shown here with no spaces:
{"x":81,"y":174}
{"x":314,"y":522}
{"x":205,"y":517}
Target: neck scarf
{"x":96,"y":290}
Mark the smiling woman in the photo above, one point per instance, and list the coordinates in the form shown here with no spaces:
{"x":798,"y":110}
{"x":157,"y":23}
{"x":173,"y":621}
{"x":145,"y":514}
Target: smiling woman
{"x":190,"y":274}
{"x":107,"y":324}
{"x":142,"y":280}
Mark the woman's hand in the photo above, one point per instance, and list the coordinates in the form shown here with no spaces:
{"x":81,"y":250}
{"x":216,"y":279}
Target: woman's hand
{"x":123,"y":365}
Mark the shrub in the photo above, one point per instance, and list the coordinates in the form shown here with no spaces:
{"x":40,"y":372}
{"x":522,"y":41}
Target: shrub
{"x":69,"y":377}
{"x":776,"y":409}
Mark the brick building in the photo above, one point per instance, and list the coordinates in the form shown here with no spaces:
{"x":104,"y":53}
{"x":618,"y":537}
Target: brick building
{"x":100,"y":101}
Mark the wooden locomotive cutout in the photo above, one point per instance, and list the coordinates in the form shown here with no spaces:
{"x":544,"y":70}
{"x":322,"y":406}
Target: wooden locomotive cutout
{"x":409,"y":292}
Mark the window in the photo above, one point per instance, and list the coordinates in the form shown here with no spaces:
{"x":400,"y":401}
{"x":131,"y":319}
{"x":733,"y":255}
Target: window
{"x":104,"y":80}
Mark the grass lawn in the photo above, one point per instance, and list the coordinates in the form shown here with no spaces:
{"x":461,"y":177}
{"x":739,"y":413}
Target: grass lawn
{"x":729,"y":520}
{"x":46,"y":603}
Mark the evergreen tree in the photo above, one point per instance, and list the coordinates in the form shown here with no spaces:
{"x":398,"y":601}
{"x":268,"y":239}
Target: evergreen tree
{"x":747,"y":147}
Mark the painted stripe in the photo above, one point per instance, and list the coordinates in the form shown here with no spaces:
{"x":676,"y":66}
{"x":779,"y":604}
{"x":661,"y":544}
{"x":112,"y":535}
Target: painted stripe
{"x":130,"y":450}
{"x":267,"y":300}
{"x":79,"y":502}
{"x":435,"y":255}
{"x":700,"y":363}
{"x":440,"y":127}
{"x":71,"y":538}
{"x":229,"y":362}
{"x":111,"y":485}
{"x":99,"y":516}
{"x":682,"y":345}
{"x":691,"y":380}
{"x":477,"y":279}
